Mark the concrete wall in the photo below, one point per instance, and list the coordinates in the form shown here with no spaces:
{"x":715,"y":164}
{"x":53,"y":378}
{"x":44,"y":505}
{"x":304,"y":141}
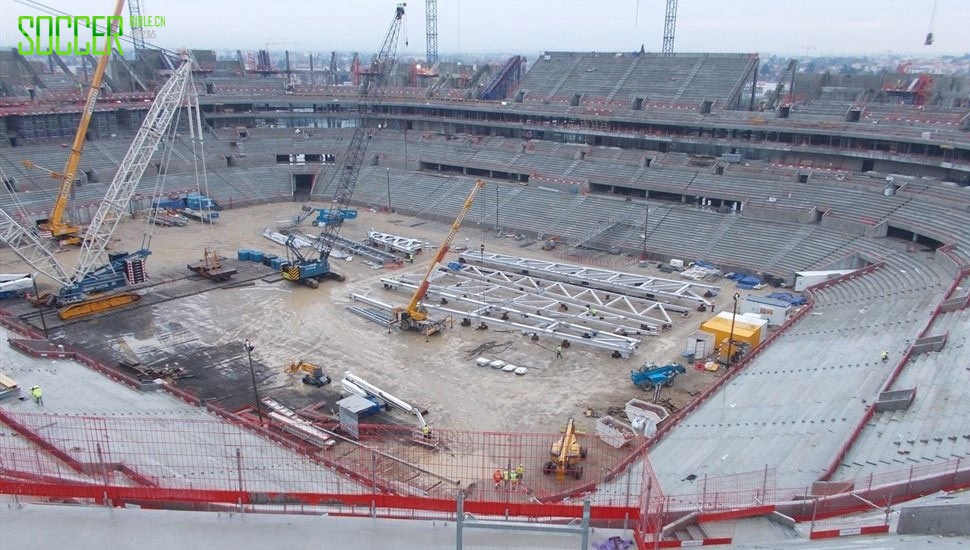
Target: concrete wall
{"x":775,"y":213}
{"x":927,"y":344}
{"x":845,"y":225}
{"x":939,"y":519}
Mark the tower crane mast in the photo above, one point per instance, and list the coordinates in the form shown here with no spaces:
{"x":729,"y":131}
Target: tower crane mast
{"x":310,"y":271}
{"x":431,"y":28}
{"x":670,"y":25}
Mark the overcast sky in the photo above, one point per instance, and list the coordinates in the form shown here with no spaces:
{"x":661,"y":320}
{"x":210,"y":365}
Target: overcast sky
{"x":813,"y":27}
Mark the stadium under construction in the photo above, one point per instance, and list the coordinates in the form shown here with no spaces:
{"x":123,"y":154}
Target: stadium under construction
{"x":655,"y":301}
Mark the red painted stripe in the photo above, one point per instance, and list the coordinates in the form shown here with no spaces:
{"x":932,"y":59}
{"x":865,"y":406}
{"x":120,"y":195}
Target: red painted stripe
{"x":848,"y":532}
{"x":736,"y":514}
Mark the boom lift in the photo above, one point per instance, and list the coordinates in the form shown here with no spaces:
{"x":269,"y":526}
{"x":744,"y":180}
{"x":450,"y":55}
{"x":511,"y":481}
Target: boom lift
{"x":92,"y":275}
{"x":314,"y":374}
{"x":357,"y":385}
{"x":566,"y":455}
{"x":413,"y":316}
{"x":65,"y":232}
{"x":310,"y":271}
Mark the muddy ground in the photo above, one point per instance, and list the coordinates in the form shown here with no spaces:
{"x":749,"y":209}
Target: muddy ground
{"x":190,"y":323}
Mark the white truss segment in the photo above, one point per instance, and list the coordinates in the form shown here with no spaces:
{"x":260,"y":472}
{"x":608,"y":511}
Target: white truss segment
{"x":542,"y":294}
{"x":645,"y":286}
{"x":504,"y":313}
{"x":26,"y":243}
{"x":395,"y":242}
{"x":116,"y":199}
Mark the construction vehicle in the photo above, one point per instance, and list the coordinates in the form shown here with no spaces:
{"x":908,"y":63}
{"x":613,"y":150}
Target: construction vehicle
{"x":413,"y":316}
{"x":357,"y":385}
{"x":550,"y":244}
{"x":309,"y":271}
{"x":15,"y":284}
{"x":314,"y":374}
{"x":60,"y":229}
{"x":650,"y":376}
{"x":194,"y":201}
{"x":325,"y":216}
{"x":567,"y":454}
{"x":80,"y":290}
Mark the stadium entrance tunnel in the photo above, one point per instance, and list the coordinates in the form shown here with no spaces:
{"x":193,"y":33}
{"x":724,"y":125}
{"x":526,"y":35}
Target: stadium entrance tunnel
{"x":302,"y":185}
{"x":911,"y":236}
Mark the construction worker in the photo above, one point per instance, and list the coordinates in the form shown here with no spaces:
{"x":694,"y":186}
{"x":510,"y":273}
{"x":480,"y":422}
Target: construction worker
{"x":497,"y":478}
{"x":514,"y":477}
{"x":885,"y":356}
{"x":520,"y":470}
{"x":426,"y":431}
{"x":559,"y":351}
{"x":505,"y":476}
{"x":37,"y":395}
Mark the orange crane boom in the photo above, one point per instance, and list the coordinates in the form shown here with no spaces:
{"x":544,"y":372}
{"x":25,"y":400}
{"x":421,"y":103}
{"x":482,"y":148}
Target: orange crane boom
{"x":60,"y":229}
{"x":412,"y":312}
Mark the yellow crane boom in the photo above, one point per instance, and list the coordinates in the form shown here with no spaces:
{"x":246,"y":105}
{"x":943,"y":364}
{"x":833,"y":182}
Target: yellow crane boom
{"x":60,"y":229}
{"x":566,"y":454}
{"x":412,"y":312}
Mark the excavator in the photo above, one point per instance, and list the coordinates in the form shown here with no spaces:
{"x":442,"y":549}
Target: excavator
{"x":413,"y":316}
{"x":61,"y":230}
{"x":566,"y":455}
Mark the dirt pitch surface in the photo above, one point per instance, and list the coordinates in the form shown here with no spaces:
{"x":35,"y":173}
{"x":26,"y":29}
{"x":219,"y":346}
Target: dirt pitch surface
{"x":187,"y":322}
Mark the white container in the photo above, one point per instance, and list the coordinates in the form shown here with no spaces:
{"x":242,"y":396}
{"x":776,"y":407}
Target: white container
{"x":679,"y":264}
{"x":483,"y":361}
{"x":497,"y":364}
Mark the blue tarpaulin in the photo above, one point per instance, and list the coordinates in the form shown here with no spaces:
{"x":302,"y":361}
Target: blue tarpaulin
{"x":748,"y":282}
{"x":792,"y":299}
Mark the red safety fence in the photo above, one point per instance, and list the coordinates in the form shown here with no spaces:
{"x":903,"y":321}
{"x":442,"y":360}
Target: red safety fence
{"x":205,"y":455}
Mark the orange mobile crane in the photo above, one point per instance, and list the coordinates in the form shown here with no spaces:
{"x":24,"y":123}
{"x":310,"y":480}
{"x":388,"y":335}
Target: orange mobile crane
{"x":414,"y":317}
{"x":64,"y":232}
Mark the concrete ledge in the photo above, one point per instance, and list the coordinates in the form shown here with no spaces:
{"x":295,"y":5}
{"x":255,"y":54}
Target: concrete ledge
{"x":935,"y":519}
{"x":895,"y":400}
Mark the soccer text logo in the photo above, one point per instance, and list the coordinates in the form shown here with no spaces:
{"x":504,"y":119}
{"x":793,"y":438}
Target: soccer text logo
{"x":68,"y":35}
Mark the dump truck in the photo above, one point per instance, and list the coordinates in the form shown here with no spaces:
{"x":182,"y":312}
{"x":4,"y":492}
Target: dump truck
{"x":650,"y":376}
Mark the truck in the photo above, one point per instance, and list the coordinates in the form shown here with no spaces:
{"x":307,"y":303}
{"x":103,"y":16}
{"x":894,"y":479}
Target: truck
{"x":650,"y":376}
{"x":327,"y":217}
{"x":194,"y":205}
{"x":15,"y":284}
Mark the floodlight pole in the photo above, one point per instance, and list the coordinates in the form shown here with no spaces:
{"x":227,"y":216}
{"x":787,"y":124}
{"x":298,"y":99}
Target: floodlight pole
{"x":249,"y":353}
{"x":388,"y":189}
{"x":40,"y":306}
{"x":731,"y":336}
